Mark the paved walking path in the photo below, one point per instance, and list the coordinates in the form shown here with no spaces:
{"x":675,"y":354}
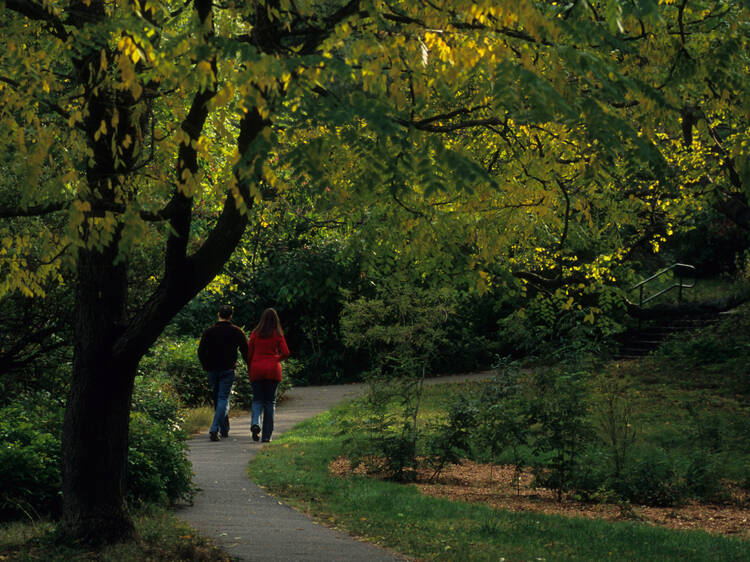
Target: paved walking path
{"x":249,"y":524}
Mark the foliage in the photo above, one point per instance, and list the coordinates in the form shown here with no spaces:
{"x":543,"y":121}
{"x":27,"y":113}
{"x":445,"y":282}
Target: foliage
{"x":559,"y":426}
{"x":158,"y":468}
{"x":302,"y":277}
{"x":383,"y":437}
{"x":588,"y":437}
{"x":400,"y":330}
{"x":582,"y":320}
{"x":156,"y":397}
{"x":613,"y":414}
{"x":177,"y":359}
{"x":304,"y":281}
{"x":30,"y":429}
{"x":296,"y":468}
{"x":35,"y":350}
{"x":30,"y":457}
{"x":711,"y":242}
{"x":451,"y":441}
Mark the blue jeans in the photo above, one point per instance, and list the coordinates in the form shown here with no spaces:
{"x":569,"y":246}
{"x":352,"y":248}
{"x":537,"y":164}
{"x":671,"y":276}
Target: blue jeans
{"x":264,"y":401}
{"x":221,"y":387}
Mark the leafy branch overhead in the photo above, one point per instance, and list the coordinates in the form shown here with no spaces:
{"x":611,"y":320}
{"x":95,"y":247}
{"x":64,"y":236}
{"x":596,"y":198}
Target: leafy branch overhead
{"x":425,"y":98}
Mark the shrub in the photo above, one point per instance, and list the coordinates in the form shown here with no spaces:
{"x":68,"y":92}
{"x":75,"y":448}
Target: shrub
{"x":30,"y":457}
{"x":559,"y":427}
{"x":158,"y":469}
{"x":400,"y":331}
{"x":156,"y":397}
{"x":178,"y":359}
{"x":578,"y":320}
{"x":703,"y":478}
{"x":651,"y":478}
{"x":452,"y":441}
{"x":384,"y":434}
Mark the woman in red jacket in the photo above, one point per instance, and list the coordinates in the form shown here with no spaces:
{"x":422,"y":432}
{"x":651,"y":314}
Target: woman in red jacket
{"x":265,"y":352}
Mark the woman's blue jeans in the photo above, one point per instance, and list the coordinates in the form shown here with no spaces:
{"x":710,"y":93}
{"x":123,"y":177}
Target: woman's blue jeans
{"x":221,"y":387}
{"x":264,"y":401}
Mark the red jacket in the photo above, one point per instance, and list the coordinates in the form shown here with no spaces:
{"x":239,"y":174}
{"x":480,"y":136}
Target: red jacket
{"x":264,"y":357}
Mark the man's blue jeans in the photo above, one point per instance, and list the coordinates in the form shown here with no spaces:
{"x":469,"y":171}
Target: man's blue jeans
{"x":221,"y":387}
{"x":264,"y":401}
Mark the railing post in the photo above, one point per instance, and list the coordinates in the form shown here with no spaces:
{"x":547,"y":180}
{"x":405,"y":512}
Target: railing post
{"x":680,"y":285}
{"x":640,"y":305}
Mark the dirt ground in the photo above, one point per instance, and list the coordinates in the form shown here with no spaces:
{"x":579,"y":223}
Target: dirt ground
{"x":502,"y":488}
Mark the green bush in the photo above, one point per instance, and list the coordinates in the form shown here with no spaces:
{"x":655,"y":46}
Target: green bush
{"x":30,"y":457}
{"x":572,"y":320}
{"x":703,"y":478}
{"x":178,"y":359}
{"x":173,"y":366}
{"x":400,"y":331}
{"x":560,"y":429}
{"x":651,"y":478}
{"x":451,"y":441}
{"x":548,"y":420}
{"x":156,"y":397}
{"x":157,"y":467}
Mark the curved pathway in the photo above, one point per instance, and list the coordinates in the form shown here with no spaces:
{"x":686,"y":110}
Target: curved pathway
{"x":249,"y":524}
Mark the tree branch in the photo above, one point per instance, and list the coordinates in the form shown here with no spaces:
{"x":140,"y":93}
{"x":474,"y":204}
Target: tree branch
{"x":37,"y":12}
{"x":469,"y":124}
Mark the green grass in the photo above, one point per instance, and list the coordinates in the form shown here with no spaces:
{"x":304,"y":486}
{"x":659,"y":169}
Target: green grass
{"x":162,"y":537}
{"x":398,"y":516}
{"x":694,"y":392}
{"x":197,"y":420}
{"x":689,"y":400}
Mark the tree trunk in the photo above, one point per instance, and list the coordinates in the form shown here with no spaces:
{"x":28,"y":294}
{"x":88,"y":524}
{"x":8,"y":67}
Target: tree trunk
{"x":95,"y":429}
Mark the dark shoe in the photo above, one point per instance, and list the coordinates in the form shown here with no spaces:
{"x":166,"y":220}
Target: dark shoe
{"x":214,"y":436}
{"x":266,"y":440}
{"x":255,"y":429}
{"x":224,"y":435}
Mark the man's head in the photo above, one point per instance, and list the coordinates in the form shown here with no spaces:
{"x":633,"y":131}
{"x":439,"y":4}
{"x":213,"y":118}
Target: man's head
{"x":225,"y":312}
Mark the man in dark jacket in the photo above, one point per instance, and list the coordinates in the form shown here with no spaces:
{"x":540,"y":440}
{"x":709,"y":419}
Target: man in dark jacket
{"x":217,"y":352}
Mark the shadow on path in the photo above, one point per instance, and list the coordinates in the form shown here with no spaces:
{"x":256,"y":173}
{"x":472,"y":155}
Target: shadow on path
{"x":249,"y":524}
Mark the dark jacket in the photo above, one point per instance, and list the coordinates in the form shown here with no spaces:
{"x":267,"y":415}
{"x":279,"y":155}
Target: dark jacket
{"x":219,"y":345}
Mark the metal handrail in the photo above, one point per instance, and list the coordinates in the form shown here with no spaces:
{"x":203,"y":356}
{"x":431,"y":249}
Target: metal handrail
{"x":679,"y":284}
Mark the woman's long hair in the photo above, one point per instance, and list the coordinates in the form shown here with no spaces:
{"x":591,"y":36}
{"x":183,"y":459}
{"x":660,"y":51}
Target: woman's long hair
{"x":269,"y":324}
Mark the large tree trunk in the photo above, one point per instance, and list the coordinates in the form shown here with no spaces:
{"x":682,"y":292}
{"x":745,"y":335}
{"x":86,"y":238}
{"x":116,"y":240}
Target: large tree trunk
{"x":95,"y":430}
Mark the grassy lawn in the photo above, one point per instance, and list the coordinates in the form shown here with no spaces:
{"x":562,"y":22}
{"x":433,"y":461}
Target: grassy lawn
{"x":162,"y":537}
{"x":296,"y":469}
{"x":689,"y":401}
